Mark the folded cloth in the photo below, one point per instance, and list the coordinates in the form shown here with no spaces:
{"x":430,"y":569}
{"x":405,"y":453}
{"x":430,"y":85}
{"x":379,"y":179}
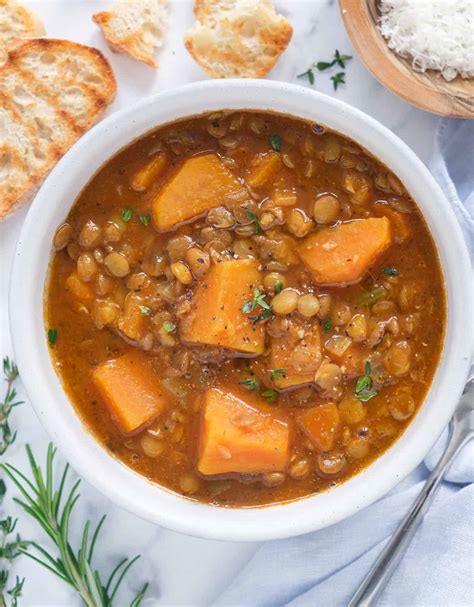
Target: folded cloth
{"x":324,"y":568}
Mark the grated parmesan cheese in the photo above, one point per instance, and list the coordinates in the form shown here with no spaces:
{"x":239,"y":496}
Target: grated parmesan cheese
{"x":435,"y":34}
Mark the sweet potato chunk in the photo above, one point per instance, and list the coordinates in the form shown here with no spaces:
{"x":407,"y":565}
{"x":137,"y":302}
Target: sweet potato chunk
{"x":399,"y":221}
{"x":216,"y":317}
{"x":343,"y":254}
{"x":131,"y":390}
{"x":320,"y":425}
{"x":265,"y":170}
{"x":149,"y":172}
{"x":239,"y":437}
{"x":200,"y":184}
{"x":299,"y":357}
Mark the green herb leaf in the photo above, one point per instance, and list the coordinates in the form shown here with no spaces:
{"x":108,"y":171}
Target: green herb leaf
{"x":127,"y":214}
{"x":144,"y":219}
{"x":275,"y":140}
{"x":250,"y":384}
{"x":308,"y":74}
{"x":169,"y":326}
{"x":363,"y":387}
{"x":278,"y":286}
{"x":276,"y":372}
{"x":258,"y":300}
{"x":254,"y":218}
{"x":270,"y":395}
{"x":327,"y":325}
{"x":341,"y":59}
{"x":391,"y":272}
{"x":366,"y":395}
{"x":338,"y":79}
{"x":324,"y":65}
{"x":52,"y":336}
{"x":145,"y":310}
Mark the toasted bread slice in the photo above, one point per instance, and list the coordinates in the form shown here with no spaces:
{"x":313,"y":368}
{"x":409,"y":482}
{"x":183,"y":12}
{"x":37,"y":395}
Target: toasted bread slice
{"x":242,"y":38}
{"x":51,"y":92}
{"x":135,"y":27}
{"x":16,"y":21}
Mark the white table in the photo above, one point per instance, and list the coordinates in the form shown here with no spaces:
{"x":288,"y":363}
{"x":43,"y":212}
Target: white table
{"x":181,"y":570}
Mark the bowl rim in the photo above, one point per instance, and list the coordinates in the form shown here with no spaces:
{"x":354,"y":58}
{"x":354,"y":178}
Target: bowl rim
{"x":126,"y":487}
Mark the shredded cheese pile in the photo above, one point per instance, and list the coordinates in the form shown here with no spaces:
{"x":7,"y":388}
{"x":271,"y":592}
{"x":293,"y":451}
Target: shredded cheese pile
{"x":435,"y":34}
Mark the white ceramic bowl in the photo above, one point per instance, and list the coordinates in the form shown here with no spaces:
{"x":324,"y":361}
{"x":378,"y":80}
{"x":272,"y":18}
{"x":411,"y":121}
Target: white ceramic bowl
{"x":123,"y":485}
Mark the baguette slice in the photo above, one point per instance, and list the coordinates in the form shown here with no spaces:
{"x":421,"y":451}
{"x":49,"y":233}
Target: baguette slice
{"x":51,"y":92}
{"x":16,"y":21}
{"x":135,"y":27}
{"x":242,"y":38}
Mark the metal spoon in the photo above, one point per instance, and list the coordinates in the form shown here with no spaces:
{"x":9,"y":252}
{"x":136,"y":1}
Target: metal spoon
{"x":461,"y":430}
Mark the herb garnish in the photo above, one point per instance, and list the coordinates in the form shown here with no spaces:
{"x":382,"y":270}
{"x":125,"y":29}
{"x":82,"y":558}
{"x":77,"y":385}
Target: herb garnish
{"x":327,"y":325}
{"x":278,"y":286}
{"x":10,"y":372}
{"x":9,"y":548}
{"x":250,"y":384}
{"x":275,"y":141}
{"x":144,"y":219}
{"x":276,"y":372}
{"x":364,"y":384}
{"x":52,"y":336}
{"x":270,"y":395}
{"x":391,"y":272}
{"x":251,"y":215}
{"x":127,"y":214}
{"x":169,"y":326}
{"x":258,"y":300}
{"x":321,"y":66}
{"x":42,"y":500}
{"x":338,"y":79}
{"x":145,"y":310}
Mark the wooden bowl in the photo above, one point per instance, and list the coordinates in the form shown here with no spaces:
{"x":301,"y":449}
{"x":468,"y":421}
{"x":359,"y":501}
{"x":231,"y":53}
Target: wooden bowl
{"x":426,"y":90}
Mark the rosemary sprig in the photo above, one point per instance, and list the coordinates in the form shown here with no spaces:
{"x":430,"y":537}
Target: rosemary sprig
{"x":10,"y":372}
{"x":49,"y":505}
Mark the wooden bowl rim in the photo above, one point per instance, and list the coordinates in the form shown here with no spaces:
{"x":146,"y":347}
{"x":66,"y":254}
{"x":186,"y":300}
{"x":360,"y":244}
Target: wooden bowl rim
{"x":395,"y":73}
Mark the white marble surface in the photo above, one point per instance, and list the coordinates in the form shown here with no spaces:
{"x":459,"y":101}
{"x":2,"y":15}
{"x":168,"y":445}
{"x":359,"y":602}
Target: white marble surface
{"x":181,"y":570}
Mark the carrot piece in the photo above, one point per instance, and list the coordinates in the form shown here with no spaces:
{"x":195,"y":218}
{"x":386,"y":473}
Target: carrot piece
{"x":147,"y":174}
{"x":265,"y":171}
{"x":79,"y":289}
{"x":216,"y":316}
{"x":299,"y":358}
{"x":399,"y":221}
{"x":341,"y":255}
{"x":200,"y":184}
{"x":237,"y":437}
{"x":131,"y":390}
{"x":320,"y":424}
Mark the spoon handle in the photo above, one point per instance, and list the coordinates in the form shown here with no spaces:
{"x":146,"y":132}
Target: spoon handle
{"x":381,"y":571}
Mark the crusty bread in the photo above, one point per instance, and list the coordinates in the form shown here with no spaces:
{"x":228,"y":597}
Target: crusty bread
{"x":242,"y":38}
{"x":51,"y":91}
{"x":135,"y":27}
{"x":16,"y":21}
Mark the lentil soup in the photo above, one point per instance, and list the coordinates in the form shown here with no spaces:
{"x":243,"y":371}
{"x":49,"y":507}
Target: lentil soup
{"x":245,"y":307}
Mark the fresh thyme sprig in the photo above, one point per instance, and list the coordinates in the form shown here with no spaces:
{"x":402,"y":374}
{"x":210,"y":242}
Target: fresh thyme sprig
{"x":321,"y":66}
{"x":10,"y":372}
{"x":363,"y":390}
{"x":258,"y":300}
{"x":9,"y":549}
{"x":49,"y":505}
